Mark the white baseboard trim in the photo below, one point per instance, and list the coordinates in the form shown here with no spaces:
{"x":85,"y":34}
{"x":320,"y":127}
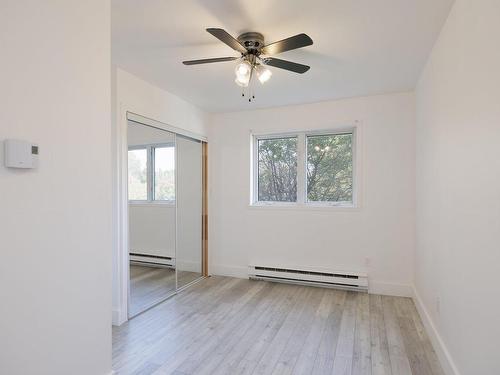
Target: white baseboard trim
{"x":389,"y":289}
{"x":117,"y":318}
{"x":444,"y":356}
{"x":232,"y":271}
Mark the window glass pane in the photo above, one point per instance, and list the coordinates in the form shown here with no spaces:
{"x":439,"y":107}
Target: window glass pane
{"x":329,"y":168}
{"x":164,"y":177}
{"x":137,"y":174}
{"x":277,"y":170}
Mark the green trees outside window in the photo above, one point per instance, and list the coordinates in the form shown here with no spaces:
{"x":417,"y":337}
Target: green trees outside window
{"x":325,"y":162}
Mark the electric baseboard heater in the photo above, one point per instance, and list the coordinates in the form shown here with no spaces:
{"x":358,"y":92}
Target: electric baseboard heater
{"x":308,"y":276}
{"x":152,"y":260}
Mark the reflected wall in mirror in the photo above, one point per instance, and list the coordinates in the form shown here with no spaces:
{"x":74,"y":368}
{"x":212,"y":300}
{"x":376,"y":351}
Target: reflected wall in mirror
{"x":152,"y":218}
{"x":189,"y":210}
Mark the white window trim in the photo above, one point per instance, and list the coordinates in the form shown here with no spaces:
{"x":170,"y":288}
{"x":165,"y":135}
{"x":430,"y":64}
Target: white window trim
{"x":150,"y":163}
{"x":302,"y":201}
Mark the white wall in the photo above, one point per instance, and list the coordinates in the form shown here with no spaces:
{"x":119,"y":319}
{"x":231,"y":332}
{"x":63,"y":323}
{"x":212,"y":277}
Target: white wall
{"x":140,"y":97}
{"x":382,"y":229}
{"x":140,"y":135}
{"x":55,"y":221}
{"x":458,"y":189}
{"x":152,"y":229}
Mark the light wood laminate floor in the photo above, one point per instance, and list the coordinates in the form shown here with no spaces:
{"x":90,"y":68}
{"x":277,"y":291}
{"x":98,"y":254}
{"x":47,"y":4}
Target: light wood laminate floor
{"x":150,"y":285}
{"x":233,"y":326}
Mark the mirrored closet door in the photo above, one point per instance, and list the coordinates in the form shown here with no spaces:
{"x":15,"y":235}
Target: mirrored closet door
{"x":152,"y":221}
{"x":165,"y":212}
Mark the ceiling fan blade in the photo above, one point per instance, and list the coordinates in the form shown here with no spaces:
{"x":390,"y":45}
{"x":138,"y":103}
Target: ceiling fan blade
{"x":207,"y":61}
{"x":226,"y":38}
{"x":294,"y":42}
{"x":287,"y":65}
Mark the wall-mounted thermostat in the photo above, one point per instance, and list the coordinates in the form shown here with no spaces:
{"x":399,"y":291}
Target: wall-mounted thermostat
{"x":20,"y":154}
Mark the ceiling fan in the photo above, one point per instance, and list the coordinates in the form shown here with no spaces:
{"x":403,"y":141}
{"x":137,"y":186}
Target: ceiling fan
{"x":255,"y":55}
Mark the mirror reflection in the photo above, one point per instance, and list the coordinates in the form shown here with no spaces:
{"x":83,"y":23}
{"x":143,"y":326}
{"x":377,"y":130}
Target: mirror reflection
{"x":189,"y":210}
{"x":152,"y":216}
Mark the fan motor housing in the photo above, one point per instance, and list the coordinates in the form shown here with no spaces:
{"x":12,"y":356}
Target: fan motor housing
{"x":252,"y":41}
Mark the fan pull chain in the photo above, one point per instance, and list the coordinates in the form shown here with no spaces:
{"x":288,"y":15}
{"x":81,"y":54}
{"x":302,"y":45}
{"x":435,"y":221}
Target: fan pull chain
{"x":248,"y":91}
{"x":251,"y":95}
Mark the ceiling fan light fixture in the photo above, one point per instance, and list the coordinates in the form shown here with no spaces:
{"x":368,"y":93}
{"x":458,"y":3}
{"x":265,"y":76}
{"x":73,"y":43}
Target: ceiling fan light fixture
{"x":242,"y":81}
{"x":251,"y":46}
{"x":263,"y":73}
{"x":243,"y":70}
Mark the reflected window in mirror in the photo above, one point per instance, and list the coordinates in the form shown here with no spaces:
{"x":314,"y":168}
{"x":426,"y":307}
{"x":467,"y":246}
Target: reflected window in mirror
{"x":164,"y":176}
{"x":151,"y":173}
{"x":138,"y":174}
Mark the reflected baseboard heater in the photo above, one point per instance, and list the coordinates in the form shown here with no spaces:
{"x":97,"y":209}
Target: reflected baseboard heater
{"x":328,"y":279}
{"x":152,"y":260}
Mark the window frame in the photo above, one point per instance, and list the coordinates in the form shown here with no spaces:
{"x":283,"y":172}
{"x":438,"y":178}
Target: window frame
{"x":150,"y":173}
{"x":256,"y":168}
{"x":302,"y":199}
{"x":132,"y":148}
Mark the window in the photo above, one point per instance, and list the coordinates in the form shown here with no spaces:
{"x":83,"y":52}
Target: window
{"x":151,"y":173}
{"x":304,"y":168}
{"x":277,"y":170}
{"x":137,"y":174}
{"x":329,"y":168}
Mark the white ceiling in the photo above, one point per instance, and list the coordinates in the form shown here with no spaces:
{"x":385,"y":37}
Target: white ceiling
{"x":361,"y":47}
